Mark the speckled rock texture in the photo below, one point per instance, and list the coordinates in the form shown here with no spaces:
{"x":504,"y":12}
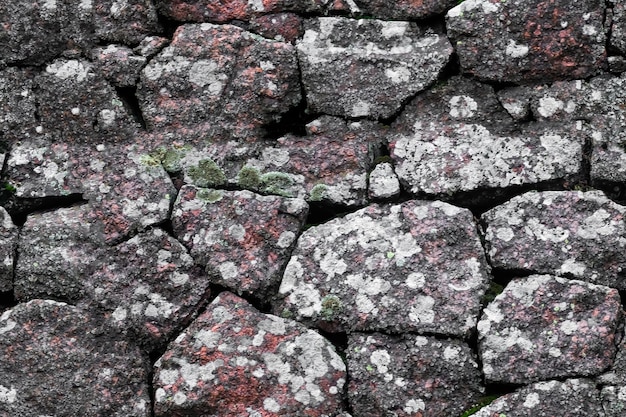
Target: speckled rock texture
{"x":280,"y":368}
{"x":368,"y":68}
{"x":529,"y":40}
{"x":388,"y":267}
{"x":49,"y":349}
{"x":570,"y":233}
{"x":544,"y":327}
{"x":332,"y":208}
{"x":410,"y":375}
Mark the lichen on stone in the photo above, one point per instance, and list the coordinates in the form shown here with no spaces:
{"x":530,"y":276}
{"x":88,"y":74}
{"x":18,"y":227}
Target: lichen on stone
{"x":249,"y":177}
{"x":278,"y":183}
{"x":207,"y":174}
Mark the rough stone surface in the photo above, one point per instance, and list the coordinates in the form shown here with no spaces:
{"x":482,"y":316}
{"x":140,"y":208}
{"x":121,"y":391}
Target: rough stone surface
{"x":410,"y":376}
{"x":329,"y":164}
{"x":119,"y":64}
{"x":242,"y":239}
{"x":403,"y":9}
{"x":234,"y":360}
{"x":383,"y":182}
{"x":126,"y":21}
{"x":575,"y":397}
{"x":220,"y":75}
{"x":457,"y":138}
{"x":284,"y":27}
{"x":223,"y":11}
{"x":544,"y":327}
{"x":367,"y":68}
{"x":147,"y":288}
{"x":568,"y":233}
{"x":8,"y":243}
{"x":380,"y":268}
{"x":524,"y":41}
{"x":56,"y":360}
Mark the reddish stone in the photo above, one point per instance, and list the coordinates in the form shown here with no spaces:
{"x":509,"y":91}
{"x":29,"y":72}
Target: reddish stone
{"x":543,"y":327}
{"x":233,"y":361}
{"x":567,"y":233}
{"x":285,"y":27}
{"x":56,"y":360}
{"x":403,"y":9}
{"x":529,"y":40}
{"x":219,"y":75}
{"x":243,"y":239}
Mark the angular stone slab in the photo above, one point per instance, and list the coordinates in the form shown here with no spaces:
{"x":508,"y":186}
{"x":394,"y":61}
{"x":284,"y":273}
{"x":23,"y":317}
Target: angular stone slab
{"x":126,"y":22}
{"x":396,"y":375}
{"x":57,"y":251}
{"x":457,"y":138}
{"x":417,"y":266}
{"x":575,"y":397}
{"x":220,"y":75}
{"x":383,"y":182}
{"x":545,"y":327}
{"x":234,"y":360}
{"x":225,"y":11}
{"x":571,"y":233}
{"x":147,"y":287}
{"x":55,"y":360}
{"x":367,"y":68}
{"x":537,"y":41}
{"x":613,"y":382}
{"x":618,"y":26}
{"x":125,"y":190}
{"x":8,"y":244}
{"x":330,"y":164}
{"x":119,"y":64}
{"x":283,"y":27}
{"x":17,"y":100}
{"x":242,"y":239}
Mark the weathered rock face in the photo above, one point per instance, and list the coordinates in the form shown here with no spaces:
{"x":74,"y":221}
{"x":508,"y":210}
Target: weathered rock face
{"x":220,"y":75}
{"x":528,"y":40}
{"x":437,"y":187}
{"x":241,"y":238}
{"x":570,"y":233}
{"x":543,"y":327}
{"x":380,"y":269}
{"x":457,"y":138}
{"x":49,"y":349}
{"x":390,"y":374}
{"x":367,"y":68}
{"x":234,"y":360}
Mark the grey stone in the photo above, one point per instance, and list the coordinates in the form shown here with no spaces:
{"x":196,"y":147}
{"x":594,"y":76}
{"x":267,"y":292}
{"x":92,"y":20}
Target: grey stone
{"x":569,"y":233}
{"x":56,"y":360}
{"x":367,"y":68}
{"x":574,"y":397}
{"x":8,"y":244}
{"x":390,"y":374}
{"x":119,"y":64}
{"x":416,"y":266}
{"x":536,"y":41}
{"x":233,"y":361}
{"x":543,"y":327}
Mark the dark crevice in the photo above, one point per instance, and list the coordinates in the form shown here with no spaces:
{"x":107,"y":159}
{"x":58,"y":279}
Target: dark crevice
{"x":7,"y":300}
{"x":128,"y":96}
{"x":20,"y":208}
{"x":321,"y":212}
{"x":292,"y":122}
{"x":169,"y":25}
{"x":615,"y":191}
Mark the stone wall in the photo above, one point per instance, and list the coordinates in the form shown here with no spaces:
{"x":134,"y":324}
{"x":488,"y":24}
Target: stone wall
{"x":312,"y":208}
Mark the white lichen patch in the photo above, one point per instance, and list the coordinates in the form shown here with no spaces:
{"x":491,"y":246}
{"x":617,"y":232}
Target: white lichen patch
{"x":516,"y":50}
{"x":205,"y":73}
{"x":422,"y":311}
{"x":462,"y":106}
{"x":70,"y":69}
{"x":399,"y":74}
{"x":7,"y":395}
{"x":468,"y":6}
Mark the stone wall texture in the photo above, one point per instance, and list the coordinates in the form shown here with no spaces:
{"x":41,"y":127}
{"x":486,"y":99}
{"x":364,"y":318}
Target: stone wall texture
{"x":316,"y":208}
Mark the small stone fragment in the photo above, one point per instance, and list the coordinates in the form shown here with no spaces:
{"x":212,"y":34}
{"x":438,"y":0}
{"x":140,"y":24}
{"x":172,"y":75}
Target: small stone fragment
{"x":367,"y":68}
{"x":56,"y":360}
{"x":234,"y":361}
{"x":418,"y":266}
{"x":568,"y":233}
{"x":242,"y":239}
{"x":396,"y":374}
{"x":575,"y":397}
{"x":8,"y":243}
{"x":127,"y":21}
{"x":383,"y":182}
{"x":284,"y":27}
{"x":403,"y":9}
{"x":544,"y":327}
{"x":536,"y":41}
{"x":119,"y":65}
